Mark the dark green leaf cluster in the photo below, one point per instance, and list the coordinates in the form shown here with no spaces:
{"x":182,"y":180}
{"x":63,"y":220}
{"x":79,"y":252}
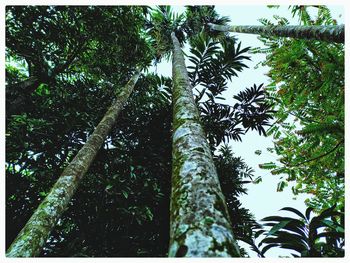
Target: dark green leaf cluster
{"x":162,"y":22}
{"x":213,"y":65}
{"x":234,"y":175}
{"x":319,"y":236}
{"x":126,"y":191}
{"x":254,"y":111}
{"x":61,"y":44}
{"x":197,"y":18}
{"x":121,"y":207}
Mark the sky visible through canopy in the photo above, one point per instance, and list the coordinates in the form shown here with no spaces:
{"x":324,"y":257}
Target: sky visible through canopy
{"x":262,"y":199}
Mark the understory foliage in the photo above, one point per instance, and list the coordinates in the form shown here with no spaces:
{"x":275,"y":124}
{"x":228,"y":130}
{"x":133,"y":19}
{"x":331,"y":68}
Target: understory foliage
{"x":307,"y":88}
{"x":320,"y":235}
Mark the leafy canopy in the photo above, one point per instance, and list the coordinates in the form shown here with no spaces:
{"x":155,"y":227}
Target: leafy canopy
{"x":307,"y":89}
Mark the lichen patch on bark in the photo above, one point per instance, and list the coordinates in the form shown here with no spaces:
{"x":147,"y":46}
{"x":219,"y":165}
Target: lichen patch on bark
{"x":331,"y":33}
{"x":200,"y":225}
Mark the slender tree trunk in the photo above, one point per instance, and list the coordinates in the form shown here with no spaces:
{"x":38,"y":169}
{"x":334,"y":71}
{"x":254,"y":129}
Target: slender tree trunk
{"x":326,"y":33}
{"x":33,"y":236}
{"x":199,"y":219}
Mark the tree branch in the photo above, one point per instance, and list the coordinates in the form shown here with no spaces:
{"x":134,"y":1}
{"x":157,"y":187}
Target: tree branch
{"x":320,"y":156}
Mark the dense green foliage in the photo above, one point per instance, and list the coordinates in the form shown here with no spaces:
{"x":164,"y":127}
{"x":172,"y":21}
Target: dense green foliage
{"x":307,"y":88}
{"x":213,"y":65}
{"x":68,"y":44}
{"x":317,"y":236}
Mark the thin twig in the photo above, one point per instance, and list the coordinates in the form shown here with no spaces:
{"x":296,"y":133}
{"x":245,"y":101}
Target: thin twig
{"x":318,"y":157}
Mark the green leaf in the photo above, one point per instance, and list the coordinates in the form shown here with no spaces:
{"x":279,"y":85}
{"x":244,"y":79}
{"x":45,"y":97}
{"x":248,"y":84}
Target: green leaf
{"x":132,"y":174}
{"x":149,"y":214}
{"x":257,"y":180}
{"x":13,"y":197}
{"x":328,"y":212}
{"x":291,"y":209}
{"x":277,"y":227}
{"x":281,"y":186}
{"x":308,"y":212}
{"x":268,"y":240}
{"x":317,"y":221}
{"x":280,"y":218}
{"x":267,"y":247}
{"x":267,"y":166}
{"x":258,"y":233}
{"x":287,"y":237}
{"x":258,"y":152}
{"x":125,"y":194}
{"x":331,"y":234}
{"x":42,"y":89}
{"x":43,"y":194}
{"x":108,"y":187}
{"x":297,"y":227}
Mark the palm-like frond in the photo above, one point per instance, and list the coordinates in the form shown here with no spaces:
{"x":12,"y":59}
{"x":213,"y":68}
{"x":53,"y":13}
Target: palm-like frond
{"x":197,"y":19}
{"x":215,"y":62}
{"x":252,"y":110}
{"x":219,"y":122}
{"x":305,"y":234}
{"x":203,"y":50}
{"x":162,"y":22}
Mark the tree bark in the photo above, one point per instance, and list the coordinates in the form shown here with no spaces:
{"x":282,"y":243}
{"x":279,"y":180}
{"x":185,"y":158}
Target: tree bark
{"x":33,"y":236}
{"x":199,"y":219}
{"x":326,"y":33}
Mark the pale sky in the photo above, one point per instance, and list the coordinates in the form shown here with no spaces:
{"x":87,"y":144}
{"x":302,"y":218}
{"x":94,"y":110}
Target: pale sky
{"x":262,"y":199}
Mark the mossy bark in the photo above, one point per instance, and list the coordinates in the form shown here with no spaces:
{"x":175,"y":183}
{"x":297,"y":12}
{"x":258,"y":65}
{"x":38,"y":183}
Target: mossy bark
{"x":329,"y":33}
{"x":33,"y":236}
{"x":199,"y":220}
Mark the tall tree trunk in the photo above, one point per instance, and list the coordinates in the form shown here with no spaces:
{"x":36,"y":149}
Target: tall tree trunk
{"x":326,"y":33}
{"x":33,"y":236}
{"x":199,"y":219}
